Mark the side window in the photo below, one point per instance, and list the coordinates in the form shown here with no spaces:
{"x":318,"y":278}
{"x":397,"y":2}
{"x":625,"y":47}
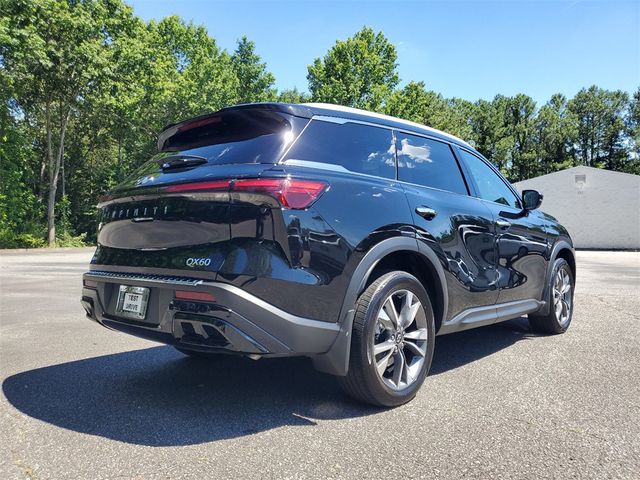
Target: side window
{"x":358,"y":148}
{"x":490,"y":186}
{"x":428,"y":162}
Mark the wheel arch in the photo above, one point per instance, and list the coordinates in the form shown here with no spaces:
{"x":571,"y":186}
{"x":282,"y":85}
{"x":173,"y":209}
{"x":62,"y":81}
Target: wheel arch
{"x":392,"y":252}
{"x":561,"y":249}
{"x":568,"y":254}
{"x":415,"y":263}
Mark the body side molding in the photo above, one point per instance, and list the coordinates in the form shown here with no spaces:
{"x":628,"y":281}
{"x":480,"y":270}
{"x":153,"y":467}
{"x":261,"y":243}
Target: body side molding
{"x":490,"y":314}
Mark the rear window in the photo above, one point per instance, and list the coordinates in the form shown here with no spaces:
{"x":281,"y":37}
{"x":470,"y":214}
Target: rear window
{"x":357,"y":148}
{"x":235,"y":137}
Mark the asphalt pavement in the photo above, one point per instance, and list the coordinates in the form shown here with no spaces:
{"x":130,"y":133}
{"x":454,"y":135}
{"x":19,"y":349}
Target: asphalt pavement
{"x":81,"y":402}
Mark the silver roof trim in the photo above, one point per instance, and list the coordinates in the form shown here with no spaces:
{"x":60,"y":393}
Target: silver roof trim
{"x":357,"y":111}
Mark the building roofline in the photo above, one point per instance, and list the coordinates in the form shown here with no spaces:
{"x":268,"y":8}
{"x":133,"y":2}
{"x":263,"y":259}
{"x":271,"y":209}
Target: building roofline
{"x":579,"y":168}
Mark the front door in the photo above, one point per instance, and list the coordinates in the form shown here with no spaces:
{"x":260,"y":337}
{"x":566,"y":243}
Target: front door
{"x":521,"y":238}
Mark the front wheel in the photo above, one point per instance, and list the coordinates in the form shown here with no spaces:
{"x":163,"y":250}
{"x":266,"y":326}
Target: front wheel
{"x":392,"y":342}
{"x":560,"y":300}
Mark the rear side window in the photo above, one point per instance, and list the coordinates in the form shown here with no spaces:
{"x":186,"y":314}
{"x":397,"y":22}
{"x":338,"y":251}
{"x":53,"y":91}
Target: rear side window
{"x":429,"y":163}
{"x":490,"y":185}
{"x":357,"y":148}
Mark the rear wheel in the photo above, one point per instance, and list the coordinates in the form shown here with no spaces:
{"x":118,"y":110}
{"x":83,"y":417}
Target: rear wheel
{"x":392,"y":341}
{"x":560,"y":300}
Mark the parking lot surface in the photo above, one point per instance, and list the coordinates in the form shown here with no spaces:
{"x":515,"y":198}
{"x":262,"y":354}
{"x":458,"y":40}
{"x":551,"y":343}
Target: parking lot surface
{"x":81,"y":402}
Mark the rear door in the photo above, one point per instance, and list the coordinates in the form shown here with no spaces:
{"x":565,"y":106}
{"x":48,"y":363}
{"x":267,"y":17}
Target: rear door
{"x":455,"y":225}
{"x":521,"y":236}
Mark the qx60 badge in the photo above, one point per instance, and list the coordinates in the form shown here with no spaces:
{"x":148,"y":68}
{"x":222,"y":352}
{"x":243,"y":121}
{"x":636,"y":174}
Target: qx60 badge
{"x":198,"y":262}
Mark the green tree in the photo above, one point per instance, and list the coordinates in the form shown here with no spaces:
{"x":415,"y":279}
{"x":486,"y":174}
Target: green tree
{"x":414,"y":102}
{"x":193,"y":75}
{"x":293,"y":96}
{"x":503,"y":130}
{"x":55,"y":53}
{"x":460,"y":116}
{"x":556,"y":132}
{"x":357,"y":72}
{"x":85,"y":85}
{"x":167,"y":71}
{"x":633,"y":130}
{"x":255,"y":82}
{"x":20,"y":207}
{"x":601,"y":127}
{"x":519,"y":127}
{"x":487,"y":130}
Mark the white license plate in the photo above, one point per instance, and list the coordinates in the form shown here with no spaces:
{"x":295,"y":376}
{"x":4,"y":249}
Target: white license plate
{"x":132,"y":302}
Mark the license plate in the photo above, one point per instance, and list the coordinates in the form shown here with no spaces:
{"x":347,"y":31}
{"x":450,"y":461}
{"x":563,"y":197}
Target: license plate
{"x":132,"y":302}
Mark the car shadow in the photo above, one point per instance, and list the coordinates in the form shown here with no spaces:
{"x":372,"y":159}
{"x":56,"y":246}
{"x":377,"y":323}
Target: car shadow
{"x":158,"y":397}
{"x":458,"y":349}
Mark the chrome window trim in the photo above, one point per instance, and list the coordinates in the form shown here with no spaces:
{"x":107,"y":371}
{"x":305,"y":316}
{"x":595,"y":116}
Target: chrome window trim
{"x":342,"y":121}
{"x":380,"y":116}
{"x":322,"y":166}
{"x":341,"y":169}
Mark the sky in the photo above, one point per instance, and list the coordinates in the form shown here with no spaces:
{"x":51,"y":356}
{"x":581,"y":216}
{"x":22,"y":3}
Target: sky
{"x":466,"y":49}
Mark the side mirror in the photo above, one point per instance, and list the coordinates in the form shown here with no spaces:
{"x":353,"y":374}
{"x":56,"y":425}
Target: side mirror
{"x":531,"y":199}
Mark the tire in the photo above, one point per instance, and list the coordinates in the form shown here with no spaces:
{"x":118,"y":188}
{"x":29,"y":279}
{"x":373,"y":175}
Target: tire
{"x":197,"y":354}
{"x":372,"y":331}
{"x":559,"y":318}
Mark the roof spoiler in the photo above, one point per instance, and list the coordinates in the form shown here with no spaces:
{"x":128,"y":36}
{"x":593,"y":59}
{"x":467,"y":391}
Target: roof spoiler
{"x":172,"y":129}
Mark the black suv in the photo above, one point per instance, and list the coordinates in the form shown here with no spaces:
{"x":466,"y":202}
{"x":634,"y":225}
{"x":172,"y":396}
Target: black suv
{"x":315,"y":230}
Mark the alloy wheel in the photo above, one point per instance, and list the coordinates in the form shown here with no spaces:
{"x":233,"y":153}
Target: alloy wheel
{"x":400,"y":340}
{"x":562,"y":297}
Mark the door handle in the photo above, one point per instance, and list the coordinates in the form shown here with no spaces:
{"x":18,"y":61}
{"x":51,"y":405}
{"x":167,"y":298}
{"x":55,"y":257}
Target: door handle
{"x":503,"y":224}
{"x":426,"y":212}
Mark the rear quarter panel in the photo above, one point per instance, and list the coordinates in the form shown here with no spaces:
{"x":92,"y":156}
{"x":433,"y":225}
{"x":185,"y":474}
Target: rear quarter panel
{"x":325,"y":243}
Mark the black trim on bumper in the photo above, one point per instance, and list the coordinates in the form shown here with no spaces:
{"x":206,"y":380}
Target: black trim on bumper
{"x":237,"y":322}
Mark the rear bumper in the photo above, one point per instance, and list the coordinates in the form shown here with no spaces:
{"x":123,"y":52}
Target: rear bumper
{"x":236,"y":322}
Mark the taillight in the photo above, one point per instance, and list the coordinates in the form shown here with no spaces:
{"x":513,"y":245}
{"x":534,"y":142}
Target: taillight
{"x":290,"y":192}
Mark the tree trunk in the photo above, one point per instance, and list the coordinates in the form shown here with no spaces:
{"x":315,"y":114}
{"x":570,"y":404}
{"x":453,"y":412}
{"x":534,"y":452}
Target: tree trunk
{"x":43,"y":169}
{"x":120,"y":169}
{"x":51,"y":215}
{"x":51,"y":227}
{"x":64,"y":192}
{"x":54,"y":173}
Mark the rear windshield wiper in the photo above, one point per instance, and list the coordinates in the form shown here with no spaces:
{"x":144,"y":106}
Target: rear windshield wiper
{"x":173,"y":162}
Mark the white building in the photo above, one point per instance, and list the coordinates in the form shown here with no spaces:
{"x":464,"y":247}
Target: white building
{"x":600,"y":208}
